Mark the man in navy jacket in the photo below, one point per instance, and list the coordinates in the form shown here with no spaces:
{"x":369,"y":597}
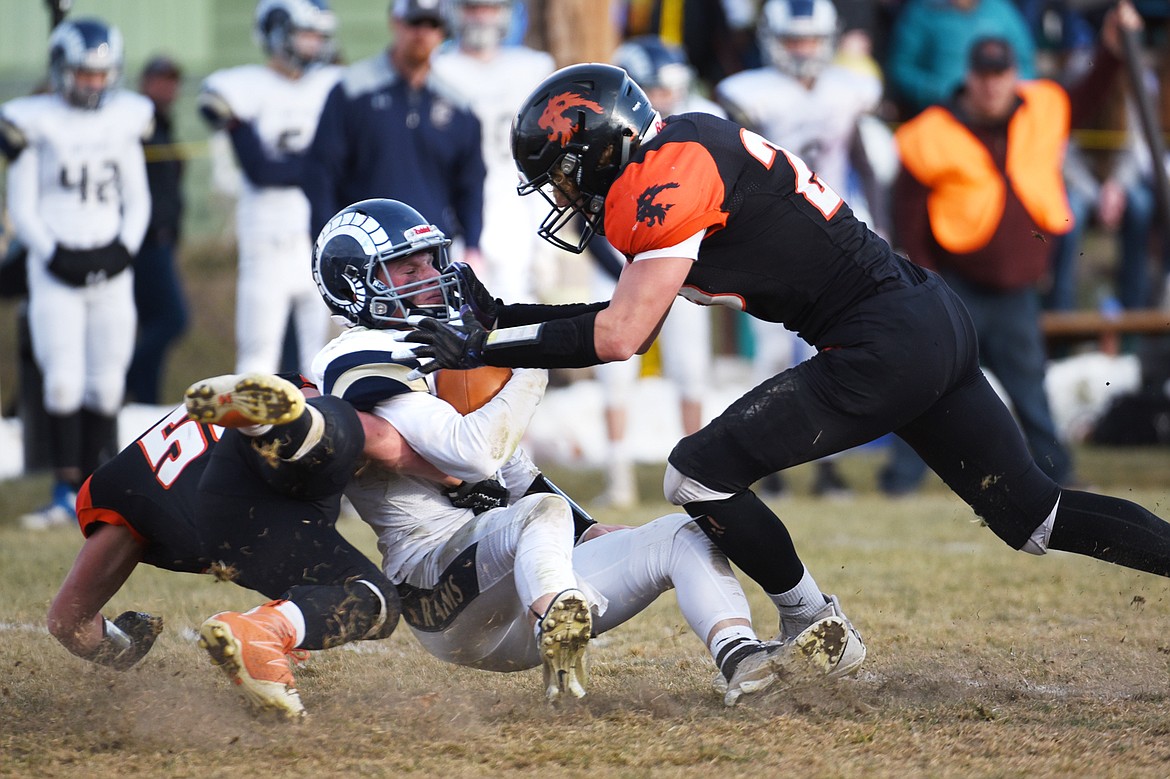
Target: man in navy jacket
{"x":391,"y":129}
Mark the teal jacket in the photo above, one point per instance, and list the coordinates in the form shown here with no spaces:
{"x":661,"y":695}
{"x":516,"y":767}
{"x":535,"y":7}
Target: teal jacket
{"x":928,"y":46}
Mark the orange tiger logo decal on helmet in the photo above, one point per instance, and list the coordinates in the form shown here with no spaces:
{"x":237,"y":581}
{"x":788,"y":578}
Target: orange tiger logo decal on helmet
{"x":560,"y":127}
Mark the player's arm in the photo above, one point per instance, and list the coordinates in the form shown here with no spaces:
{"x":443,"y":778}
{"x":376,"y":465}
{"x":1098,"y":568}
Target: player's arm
{"x":386,"y":447}
{"x":643,"y":296}
{"x":105,"y":561}
{"x":617,"y":331}
{"x":24,"y":202}
{"x":135,"y":198}
{"x":262,"y":169}
{"x":472,"y":447}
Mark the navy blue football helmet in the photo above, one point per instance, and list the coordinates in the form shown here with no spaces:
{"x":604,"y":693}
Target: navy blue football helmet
{"x":352,"y":249}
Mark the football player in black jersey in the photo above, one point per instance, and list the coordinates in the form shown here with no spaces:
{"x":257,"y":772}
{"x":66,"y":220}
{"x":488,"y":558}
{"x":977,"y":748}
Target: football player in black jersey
{"x":707,"y":210}
{"x":244,"y":482}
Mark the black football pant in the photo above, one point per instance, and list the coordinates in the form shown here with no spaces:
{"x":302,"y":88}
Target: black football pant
{"x":904,"y":361}
{"x":272,"y":525}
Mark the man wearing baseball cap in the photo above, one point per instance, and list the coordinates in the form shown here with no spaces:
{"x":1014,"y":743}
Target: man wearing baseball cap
{"x":979,"y":198}
{"x":392,"y":129}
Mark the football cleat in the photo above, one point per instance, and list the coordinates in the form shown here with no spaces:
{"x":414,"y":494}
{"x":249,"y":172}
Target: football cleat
{"x":60,"y":512}
{"x":245,"y":400}
{"x":49,"y":516}
{"x":754,"y":673}
{"x":565,"y":630}
{"x":839,"y":654}
{"x":254,"y":649}
{"x":819,"y":651}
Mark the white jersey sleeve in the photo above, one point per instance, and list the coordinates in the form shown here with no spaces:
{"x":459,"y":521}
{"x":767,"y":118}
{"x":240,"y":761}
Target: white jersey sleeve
{"x":472,"y":447}
{"x":358,"y":366}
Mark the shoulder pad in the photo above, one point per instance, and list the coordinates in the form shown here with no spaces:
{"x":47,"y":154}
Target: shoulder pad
{"x":361,"y":369}
{"x":214,"y":109}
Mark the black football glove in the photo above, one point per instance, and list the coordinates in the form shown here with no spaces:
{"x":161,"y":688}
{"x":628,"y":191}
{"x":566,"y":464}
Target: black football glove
{"x":127,"y":639}
{"x":478,"y":496}
{"x":482,"y":305}
{"x":458,"y":346}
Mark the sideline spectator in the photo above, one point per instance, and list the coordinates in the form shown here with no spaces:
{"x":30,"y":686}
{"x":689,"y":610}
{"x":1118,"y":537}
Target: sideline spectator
{"x":1109,"y":181}
{"x":391,"y":128}
{"x":158,"y":291}
{"x":979,"y":196}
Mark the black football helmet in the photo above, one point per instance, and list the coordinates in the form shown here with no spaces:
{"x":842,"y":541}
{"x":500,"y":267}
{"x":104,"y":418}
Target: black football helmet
{"x":572,"y":137}
{"x":84,"y":44}
{"x":354,"y":246}
{"x":278,"y":21}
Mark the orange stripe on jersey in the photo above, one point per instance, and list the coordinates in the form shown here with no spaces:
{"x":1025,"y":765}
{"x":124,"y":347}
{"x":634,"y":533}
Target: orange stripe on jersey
{"x":89,"y":515}
{"x":672,"y":193}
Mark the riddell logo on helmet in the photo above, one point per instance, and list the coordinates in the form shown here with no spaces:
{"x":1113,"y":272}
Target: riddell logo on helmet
{"x":421,"y":230}
{"x":560,"y":127}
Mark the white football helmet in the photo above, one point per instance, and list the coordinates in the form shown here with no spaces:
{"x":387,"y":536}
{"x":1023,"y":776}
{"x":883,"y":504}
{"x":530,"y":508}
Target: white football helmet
{"x":797,"y":37}
{"x":84,"y":45}
{"x":278,"y":22}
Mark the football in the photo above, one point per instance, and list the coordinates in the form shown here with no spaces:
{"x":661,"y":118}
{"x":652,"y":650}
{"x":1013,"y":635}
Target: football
{"x":469,"y":390}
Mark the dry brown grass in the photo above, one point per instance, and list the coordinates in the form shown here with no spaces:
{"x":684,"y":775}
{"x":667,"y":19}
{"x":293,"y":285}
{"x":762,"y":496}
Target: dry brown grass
{"x":982,"y":662}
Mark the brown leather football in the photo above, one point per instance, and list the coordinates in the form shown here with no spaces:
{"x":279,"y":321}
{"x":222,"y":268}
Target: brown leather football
{"x":469,"y":390}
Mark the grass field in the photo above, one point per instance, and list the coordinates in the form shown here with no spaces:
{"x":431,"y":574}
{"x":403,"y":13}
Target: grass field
{"x":983,"y":662}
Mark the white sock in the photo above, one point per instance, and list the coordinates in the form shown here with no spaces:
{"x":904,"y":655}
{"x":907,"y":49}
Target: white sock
{"x":316,"y":430}
{"x":800,"y":604}
{"x":292,"y":612}
{"x":254,"y":431}
{"x":727,"y":640}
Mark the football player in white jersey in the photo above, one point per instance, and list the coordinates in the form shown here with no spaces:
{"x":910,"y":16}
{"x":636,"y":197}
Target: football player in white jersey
{"x":269,"y":112}
{"x":684,"y":343}
{"x":803,"y":101}
{"x":507,"y":588}
{"x":494,"y":79}
{"x":79,"y":201}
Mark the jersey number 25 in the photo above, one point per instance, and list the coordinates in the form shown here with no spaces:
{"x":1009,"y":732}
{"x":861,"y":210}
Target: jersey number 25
{"x":819,"y":194}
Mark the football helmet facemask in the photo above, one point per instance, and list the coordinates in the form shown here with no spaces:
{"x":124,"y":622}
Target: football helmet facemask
{"x":785,"y":22}
{"x":84,"y":45}
{"x":278,"y":22}
{"x":350,"y":259}
{"x":571,"y":139}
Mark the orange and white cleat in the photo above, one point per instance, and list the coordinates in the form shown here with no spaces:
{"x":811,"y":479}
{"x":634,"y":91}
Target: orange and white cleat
{"x":254,"y":649}
{"x":244,"y":400}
